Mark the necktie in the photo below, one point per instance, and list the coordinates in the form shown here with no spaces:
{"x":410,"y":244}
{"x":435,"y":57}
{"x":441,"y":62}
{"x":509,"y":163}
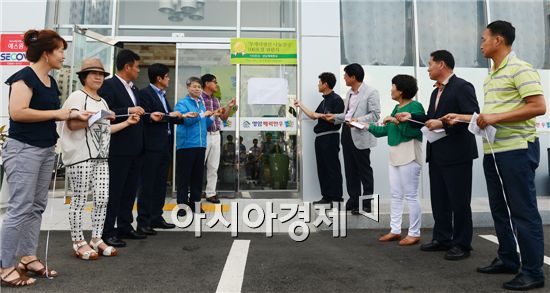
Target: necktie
{"x":440,"y":88}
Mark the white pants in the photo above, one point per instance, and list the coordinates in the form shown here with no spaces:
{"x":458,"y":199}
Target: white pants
{"x":212,"y":161}
{"x":404,"y":182}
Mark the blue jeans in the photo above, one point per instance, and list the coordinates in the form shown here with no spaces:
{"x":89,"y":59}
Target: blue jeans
{"x":517,"y":169}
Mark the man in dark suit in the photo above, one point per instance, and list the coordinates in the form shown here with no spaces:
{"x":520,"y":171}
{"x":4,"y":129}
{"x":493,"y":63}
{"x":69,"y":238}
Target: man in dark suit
{"x":450,"y":159}
{"x":158,"y":142}
{"x":125,"y":150}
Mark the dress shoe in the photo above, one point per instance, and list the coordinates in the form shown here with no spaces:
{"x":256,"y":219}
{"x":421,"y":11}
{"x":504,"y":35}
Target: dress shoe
{"x":496,"y":267}
{"x":162,"y":224}
{"x":131,"y":234}
{"x":146,"y":230}
{"x":351,"y":206}
{"x":322,"y":201}
{"x":114,"y":241}
{"x":523,"y":283}
{"x":355,"y":212}
{"x":409,"y":240}
{"x":434,"y":246}
{"x":389,"y":237}
{"x":456,"y":253}
{"x":213,"y":199}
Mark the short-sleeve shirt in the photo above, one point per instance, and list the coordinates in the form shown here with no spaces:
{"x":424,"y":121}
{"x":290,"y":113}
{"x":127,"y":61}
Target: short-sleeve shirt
{"x":331,"y":104}
{"x":88,"y":143}
{"x":212,"y":103}
{"x":505,"y":90}
{"x":39,"y":134}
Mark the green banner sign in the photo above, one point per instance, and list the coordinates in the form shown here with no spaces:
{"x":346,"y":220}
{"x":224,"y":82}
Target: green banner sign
{"x":263,"y":51}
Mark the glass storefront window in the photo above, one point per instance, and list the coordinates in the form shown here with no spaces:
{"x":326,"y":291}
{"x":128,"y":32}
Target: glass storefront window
{"x":532,"y":25}
{"x":377,"y":32}
{"x":271,"y":162}
{"x":268,"y":13}
{"x":454,"y":26}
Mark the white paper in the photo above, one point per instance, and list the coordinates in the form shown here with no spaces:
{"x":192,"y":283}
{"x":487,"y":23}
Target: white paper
{"x":270,"y":91}
{"x":489,"y":131}
{"x":357,"y":125}
{"x":433,"y":136}
{"x":97,"y":116}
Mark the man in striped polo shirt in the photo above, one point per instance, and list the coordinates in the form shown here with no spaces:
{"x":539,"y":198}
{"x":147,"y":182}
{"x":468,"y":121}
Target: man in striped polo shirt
{"x":513,"y":98}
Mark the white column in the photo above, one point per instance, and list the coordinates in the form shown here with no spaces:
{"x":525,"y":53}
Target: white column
{"x":320,"y":52}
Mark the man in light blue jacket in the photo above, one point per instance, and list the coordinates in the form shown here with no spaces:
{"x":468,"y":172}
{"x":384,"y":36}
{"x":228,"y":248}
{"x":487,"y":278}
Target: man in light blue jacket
{"x":362,"y":105}
{"x":191,"y":145}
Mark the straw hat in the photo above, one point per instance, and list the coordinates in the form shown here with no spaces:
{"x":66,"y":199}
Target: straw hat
{"x":92,"y":64}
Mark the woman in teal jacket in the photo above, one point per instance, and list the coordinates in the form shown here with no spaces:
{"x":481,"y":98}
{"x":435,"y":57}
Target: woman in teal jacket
{"x":405,"y":163}
{"x":191,"y":145}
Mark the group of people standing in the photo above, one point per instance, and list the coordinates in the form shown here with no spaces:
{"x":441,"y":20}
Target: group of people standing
{"x":128,"y":147}
{"x":513,"y":99}
{"x":107,"y":157}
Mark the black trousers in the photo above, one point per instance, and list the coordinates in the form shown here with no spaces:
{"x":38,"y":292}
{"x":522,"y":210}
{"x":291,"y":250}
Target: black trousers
{"x":189,"y":175}
{"x":153,"y":188}
{"x":358,"y":169}
{"x":451,"y":194}
{"x":329,"y":171}
{"x":124,"y":174}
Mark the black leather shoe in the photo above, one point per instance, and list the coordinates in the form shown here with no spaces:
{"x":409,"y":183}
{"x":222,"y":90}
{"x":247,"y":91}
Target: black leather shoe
{"x":523,"y":282}
{"x":114,"y":241}
{"x":131,"y":234}
{"x":456,"y":253}
{"x":146,"y":230}
{"x":323,"y":201}
{"x":213,"y":199}
{"x":355,"y":212}
{"x":350,"y":206}
{"x":496,"y":267}
{"x":162,"y":224}
{"x":434,"y":246}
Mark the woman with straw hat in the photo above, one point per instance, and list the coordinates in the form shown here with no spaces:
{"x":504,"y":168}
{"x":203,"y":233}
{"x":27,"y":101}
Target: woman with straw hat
{"x":85,"y":149}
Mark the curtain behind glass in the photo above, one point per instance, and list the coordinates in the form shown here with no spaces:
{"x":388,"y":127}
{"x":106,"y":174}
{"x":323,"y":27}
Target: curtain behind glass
{"x":377,"y":32}
{"x":531,"y":20}
{"x":455,"y":26}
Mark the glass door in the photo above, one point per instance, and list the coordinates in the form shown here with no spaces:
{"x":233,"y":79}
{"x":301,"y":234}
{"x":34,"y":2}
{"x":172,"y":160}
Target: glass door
{"x":267,"y":125}
{"x":258,"y":157}
{"x":196,"y":60}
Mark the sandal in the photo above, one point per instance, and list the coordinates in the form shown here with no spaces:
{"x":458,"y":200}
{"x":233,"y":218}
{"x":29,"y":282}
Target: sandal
{"x":86,"y":255}
{"x":43,"y":272}
{"x":23,"y":280}
{"x":108,"y":251}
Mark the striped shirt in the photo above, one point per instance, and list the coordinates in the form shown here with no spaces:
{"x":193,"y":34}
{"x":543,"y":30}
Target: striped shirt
{"x":505,"y":90}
